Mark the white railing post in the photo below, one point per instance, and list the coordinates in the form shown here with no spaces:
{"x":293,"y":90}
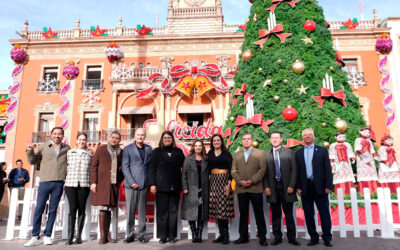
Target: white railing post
{"x":354,"y":210}
{"x":155,"y":223}
{"x":65,"y":218}
{"x":382,"y":213}
{"x":342,"y":216}
{"x":23,"y":232}
{"x":114,"y":223}
{"x":88,"y":220}
{"x":295,"y":218}
{"x":266,"y":215}
{"x":389,"y":213}
{"x":368,"y":213}
{"x":11,"y":214}
{"x":234,"y":223}
{"x":253,"y":234}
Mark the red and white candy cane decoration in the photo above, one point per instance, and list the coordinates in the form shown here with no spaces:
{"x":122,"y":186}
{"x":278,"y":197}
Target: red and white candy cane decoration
{"x":13,"y":99}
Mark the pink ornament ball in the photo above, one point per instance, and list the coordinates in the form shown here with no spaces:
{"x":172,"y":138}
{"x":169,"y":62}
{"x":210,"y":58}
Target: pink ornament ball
{"x":18,"y":54}
{"x":71,"y":71}
{"x":384,"y":44}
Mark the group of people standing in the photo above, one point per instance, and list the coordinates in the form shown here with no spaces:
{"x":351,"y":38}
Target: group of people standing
{"x":207,"y":180}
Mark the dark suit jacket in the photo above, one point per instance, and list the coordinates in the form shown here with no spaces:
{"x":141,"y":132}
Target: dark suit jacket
{"x":288,"y":170}
{"x":253,"y":169}
{"x":322,"y":171}
{"x":133,"y":167}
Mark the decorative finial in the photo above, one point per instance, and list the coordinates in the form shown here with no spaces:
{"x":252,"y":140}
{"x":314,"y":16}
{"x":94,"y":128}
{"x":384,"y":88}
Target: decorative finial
{"x":120,"y":22}
{"x":78,"y":23}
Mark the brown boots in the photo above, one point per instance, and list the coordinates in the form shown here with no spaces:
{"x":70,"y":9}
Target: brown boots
{"x":105,"y":222}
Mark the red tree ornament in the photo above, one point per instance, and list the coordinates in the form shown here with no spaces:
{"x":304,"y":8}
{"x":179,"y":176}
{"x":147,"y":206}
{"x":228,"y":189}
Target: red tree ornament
{"x":251,"y":1}
{"x":289,"y":113}
{"x":310,"y":26}
{"x":18,"y":54}
{"x":113,"y":52}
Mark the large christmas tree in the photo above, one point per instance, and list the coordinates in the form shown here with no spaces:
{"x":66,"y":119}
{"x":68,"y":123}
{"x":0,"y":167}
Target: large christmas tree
{"x":288,"y":60}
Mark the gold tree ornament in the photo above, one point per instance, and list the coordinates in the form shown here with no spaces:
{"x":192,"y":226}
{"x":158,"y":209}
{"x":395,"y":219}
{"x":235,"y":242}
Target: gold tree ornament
{"x":277,"y":98}
{"x":298,"y":67}
{"x":255,"y":144}
{"x":232,"y":119}
{"x":307,"y":40}
{"x":323,"y":124}
{"x":285,"y":81}
{"x":302,"y":90}
{"x":279,"y":61}
{"x":341,"y":125}
{"x":247,"y":55}
{"x":260,"y":69}
{"x":326,"y":144}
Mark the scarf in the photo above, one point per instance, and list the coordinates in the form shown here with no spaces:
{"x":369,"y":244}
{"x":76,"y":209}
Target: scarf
{"x":341,"y":152}
{"x":114,"y":152}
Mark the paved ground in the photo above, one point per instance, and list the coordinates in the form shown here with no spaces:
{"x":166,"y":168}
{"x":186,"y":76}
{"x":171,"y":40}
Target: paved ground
{"x":350,"y":243}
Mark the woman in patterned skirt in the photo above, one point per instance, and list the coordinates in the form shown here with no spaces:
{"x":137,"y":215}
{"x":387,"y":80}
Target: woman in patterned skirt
{"x":221,"y":206}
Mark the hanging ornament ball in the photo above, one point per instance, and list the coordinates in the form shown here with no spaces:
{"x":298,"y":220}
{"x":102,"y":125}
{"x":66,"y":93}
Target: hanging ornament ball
{"x":255,"y":144}
{"x":341,"y":125}
{"x":309,"y":25}
{"x":384,"y":44}
{"x":331,"y":68}
{"x":251,"y":1}
{"x":277,"y":98}
{"x":18,"y":54}
{"x":279,"y":61}
{"x":71,"y":71}
{"x":113,"y":52}
{"x":241,"y":104}
{"x":298,"y":67}
{"x":289,"y":113}
{"x":247,"y":55}
{"x":326,"y":144}
{"x":323,"y":124}
{"x":260,"y":69}
{"x":285,"y":81}
{"x":232,"y":119}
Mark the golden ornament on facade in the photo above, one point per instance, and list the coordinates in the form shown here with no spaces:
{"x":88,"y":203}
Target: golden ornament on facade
{"x":341,"y":125}
{"x":298,"y":67}
{"x":255,"y":144}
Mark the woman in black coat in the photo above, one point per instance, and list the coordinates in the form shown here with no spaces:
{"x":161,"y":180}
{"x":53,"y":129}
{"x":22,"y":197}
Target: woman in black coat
{"x":195,"y":190}
{"x":165,"y":181}
{"x":3,"y":178}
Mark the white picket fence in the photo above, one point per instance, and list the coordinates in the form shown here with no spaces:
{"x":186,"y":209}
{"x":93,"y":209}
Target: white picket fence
{"x":386,"y":226}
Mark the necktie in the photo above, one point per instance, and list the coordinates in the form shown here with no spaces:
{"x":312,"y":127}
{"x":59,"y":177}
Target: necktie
{"x":309,"y":163}
{"x":278,"y":173}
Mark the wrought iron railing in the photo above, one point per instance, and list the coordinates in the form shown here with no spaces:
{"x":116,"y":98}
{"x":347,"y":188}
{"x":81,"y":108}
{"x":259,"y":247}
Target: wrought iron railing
{"x":92,"y":84}
{"x":356,"y":79}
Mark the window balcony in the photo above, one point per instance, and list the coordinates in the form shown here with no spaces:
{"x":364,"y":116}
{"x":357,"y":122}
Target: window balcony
{"x":92,"y":84}
{"x":48,"y":85}
{"x":356,"y":79}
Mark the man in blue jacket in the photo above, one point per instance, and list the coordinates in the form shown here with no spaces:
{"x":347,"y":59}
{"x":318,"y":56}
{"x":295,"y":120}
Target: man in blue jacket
{"x":135,"y":160}
{"x":18,"y":177}
{"x":314,"y":185}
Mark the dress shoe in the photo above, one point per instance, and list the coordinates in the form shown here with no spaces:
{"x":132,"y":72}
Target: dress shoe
{"x":294,"y":242}
{"x":328,"y":244}
{"x":276,"y":242}
{"x":163,"y":240}
{"x":241,"y":240}
{"x":143,"y":240}
{"x":218,"y":240}
{"x":129,"y":240}
{"x":263,"y":241}
{"x":313,"y":243}
{"x":172,"y":240}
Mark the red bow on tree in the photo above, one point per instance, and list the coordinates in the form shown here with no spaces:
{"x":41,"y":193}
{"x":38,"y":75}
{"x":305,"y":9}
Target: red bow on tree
{"x":241,"y":91}
{"x":257,"y":119}
{"x":265,"y":34}
{"x":277,"y":2}
{"x":291,"y":143}
{"x":325,"y":93}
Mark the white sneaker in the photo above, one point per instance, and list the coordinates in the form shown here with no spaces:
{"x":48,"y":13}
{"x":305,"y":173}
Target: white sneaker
{"x":34,"y":241}
{"x":47,"y":240}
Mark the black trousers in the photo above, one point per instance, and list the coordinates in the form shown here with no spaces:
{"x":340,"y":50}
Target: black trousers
{"x":167,"y":214}
{"x":1,"y":191}
{"x":276,"y":209}
{"x":256,"y":200}
{"x":322,"y":203}
{"x":77,"y":197}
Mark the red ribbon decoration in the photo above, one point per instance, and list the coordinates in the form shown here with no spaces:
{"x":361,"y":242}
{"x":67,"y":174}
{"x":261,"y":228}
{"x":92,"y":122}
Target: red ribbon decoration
{"x":241,"y":91}
{"x":257,"y":119}
{"x":325,"y":93}
{"x":341,"y":152}
{"x":339,"y":59}
{"x":277,"y":2}
{"x":291,"y":143}
{"x":391,"y":157}
{"x":265,"y":34}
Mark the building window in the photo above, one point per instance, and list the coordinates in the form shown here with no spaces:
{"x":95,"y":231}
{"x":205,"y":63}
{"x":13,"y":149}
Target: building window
{"x":132,"y":65}
{"x":192,"y":118}
{"x":90,"y":126}
{"x":351,"y":65}
{"x":148,"y":65}
{"x":46,"y":122}
{"x":141,"y":65}
{"x":49,"y":82}
{"x":93,"y":78}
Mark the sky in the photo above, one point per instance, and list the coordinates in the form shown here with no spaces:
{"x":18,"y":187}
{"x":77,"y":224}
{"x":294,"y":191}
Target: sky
{"x":62,"y":14}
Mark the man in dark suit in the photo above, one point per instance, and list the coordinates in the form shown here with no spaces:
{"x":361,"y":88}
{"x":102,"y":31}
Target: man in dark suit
{"x":135,"y":160}
{"x":248,"y":170}
{"x":279,"y":184}
{"x":314,"y":185}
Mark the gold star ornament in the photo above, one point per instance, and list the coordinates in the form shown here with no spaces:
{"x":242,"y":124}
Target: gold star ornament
{"x":307,"y":40}
{"x":302,"y":90}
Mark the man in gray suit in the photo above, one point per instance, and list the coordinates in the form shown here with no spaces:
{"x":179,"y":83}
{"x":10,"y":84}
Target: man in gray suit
{"x":135,"y":160}
{"x":280,"y":183}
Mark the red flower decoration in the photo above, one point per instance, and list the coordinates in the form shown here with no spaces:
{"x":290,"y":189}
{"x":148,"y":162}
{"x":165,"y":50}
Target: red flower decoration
{"x":350,"y":24}
{"x":143,"y":30}
{"x":97,"y":31}
{"x":48,"y":33}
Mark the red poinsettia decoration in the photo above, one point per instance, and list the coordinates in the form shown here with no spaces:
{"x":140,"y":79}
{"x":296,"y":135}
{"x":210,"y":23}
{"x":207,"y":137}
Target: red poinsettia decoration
{"x":242,"y":28}
{"x":143,"y":30}
{"x":350,"y":24}
{"x":97,"y":31}
{"x":48,"y":33}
